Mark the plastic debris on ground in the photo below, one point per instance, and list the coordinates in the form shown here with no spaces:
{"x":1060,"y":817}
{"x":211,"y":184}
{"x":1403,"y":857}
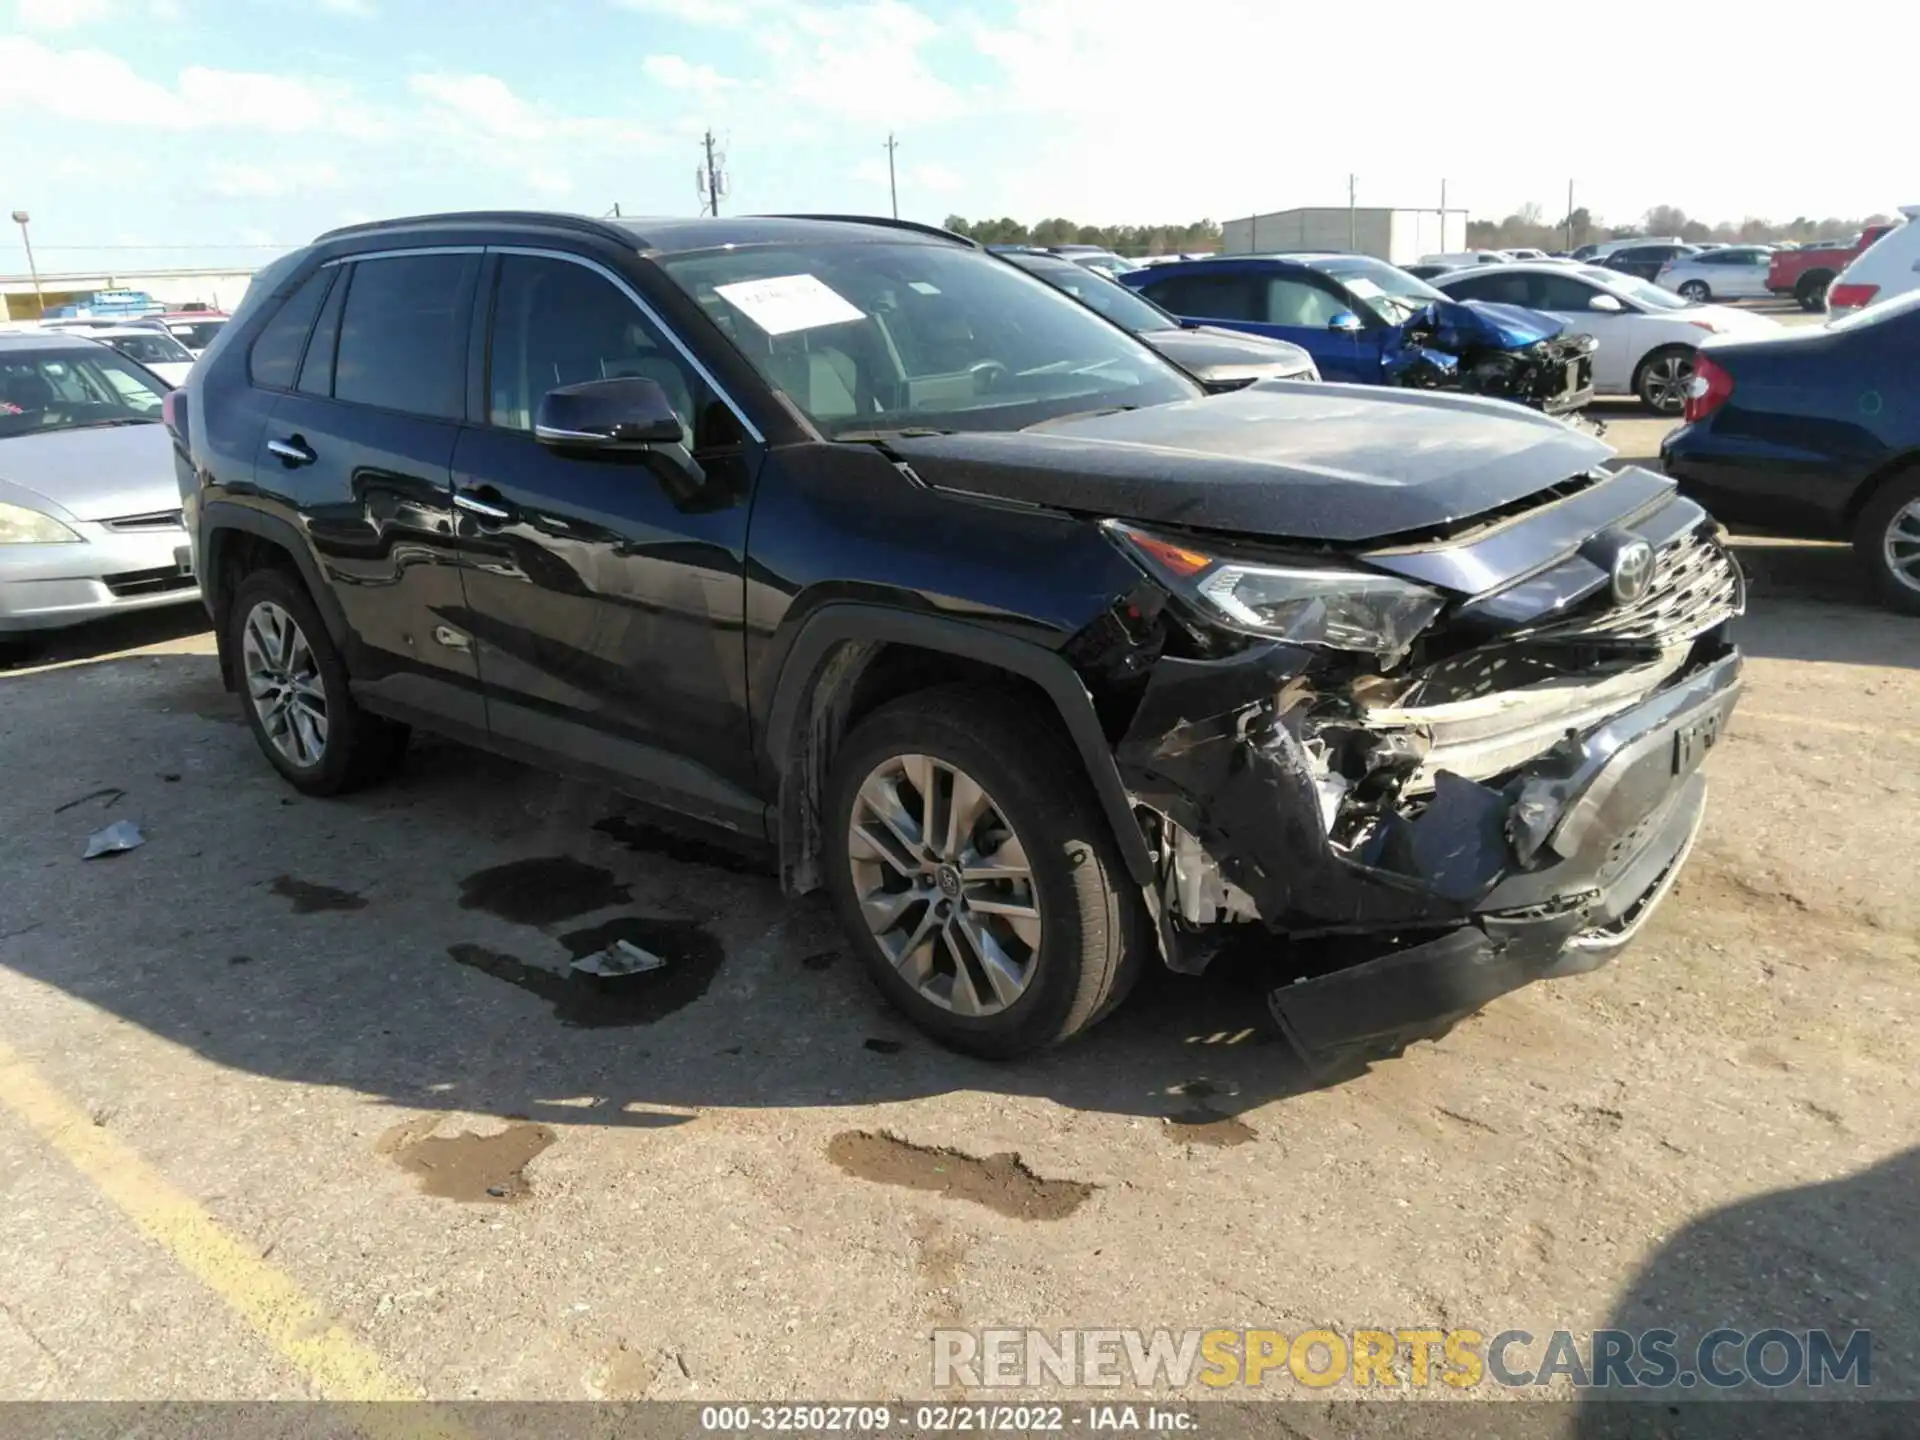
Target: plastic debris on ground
{"x":121,"y":836}
{"x":622,"y":957}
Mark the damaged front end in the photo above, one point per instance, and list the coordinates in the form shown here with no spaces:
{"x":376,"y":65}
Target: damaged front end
{"x":1500,"y":351}
{"x":1471,"y":768}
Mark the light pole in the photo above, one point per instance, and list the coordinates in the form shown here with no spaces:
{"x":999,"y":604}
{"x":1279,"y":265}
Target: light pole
{"x":893,"y":188}
{"x":20,"y":218}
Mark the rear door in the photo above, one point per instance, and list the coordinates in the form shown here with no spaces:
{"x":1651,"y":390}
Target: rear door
{"x":361,"y":445}
{"x":607,"y":605}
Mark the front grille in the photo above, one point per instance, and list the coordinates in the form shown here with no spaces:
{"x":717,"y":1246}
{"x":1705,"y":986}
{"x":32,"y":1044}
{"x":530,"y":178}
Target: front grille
{"x":1696,"y":585}
{"x":148,"y":582}
{"x":158,"y":520}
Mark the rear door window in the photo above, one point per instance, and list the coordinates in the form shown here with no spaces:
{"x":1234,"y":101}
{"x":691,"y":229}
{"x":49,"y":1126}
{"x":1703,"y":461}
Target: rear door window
{"x":1500,"y":289}
{"x":403,"y":334}
{"x":275,"y":358}
{"x":1208,"y":297}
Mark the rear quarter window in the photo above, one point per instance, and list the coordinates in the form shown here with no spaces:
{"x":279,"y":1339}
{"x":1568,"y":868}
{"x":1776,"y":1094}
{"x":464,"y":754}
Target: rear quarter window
{"x":274,"y":361}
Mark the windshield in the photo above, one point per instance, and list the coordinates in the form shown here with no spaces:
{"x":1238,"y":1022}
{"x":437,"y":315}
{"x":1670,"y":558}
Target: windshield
{"x":154,"y":349}
{"x":43,"y":390}
{"x":1110,"y":298}
{"x":897,"y":336}
{"x":195,"y":334}
{"x":1634,"y":288}
{"x":1386,"y":290}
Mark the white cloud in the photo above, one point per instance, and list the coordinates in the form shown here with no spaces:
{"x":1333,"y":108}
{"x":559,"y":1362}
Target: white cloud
{"x":675,"y":72}
{"x":486,"y":107}
{"x":230,"y":181}
{"x":359,"y":9}
{"x":863,"y":61}
{"x":721,"y":14}
{"x":59,"y":14}
{"x":938,"y":179}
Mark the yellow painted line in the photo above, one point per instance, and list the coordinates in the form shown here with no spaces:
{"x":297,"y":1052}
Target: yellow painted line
{"x":1847,"y":727}
{"x":337,"y":1366}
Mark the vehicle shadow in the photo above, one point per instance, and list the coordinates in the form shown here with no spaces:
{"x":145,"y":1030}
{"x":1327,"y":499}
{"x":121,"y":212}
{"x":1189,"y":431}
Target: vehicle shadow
{"x":412,"y":944}
{"x":1837,"y":1256}
{"x":99,"y":638}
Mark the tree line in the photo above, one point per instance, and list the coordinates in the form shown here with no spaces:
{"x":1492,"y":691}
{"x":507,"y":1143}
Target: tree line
{"x":1121,"y":239}
{"x":1529,"y":227}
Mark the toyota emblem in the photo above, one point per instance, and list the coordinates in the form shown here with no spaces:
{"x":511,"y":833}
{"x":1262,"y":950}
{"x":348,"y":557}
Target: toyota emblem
{"x":1632,"y":571}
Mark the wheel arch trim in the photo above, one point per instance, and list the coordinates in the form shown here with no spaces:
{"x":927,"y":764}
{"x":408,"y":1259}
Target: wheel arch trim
{"x":833,"y":625}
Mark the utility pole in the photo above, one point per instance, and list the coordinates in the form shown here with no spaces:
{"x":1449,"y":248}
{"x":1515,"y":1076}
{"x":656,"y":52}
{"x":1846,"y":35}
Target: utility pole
{"x":893,"y":188}
{"x":1353,"y":224}
{"x":1443,"y":215}
{"x":713,"y":178}
{"x":20,"y":218}
{"x":1569,"y":214}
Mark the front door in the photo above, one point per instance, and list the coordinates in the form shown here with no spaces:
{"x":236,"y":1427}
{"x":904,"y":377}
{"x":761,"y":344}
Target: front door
{"x":606,"y":601}
{"x":1569,"y":299}
{"x":361,"y":445}
{"x":1304,"y":310}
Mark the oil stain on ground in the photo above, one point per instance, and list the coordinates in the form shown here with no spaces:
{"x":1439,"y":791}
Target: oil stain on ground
{"x":309,"y":899}
{"x":542,"y":891}
{"x":688,"y":849}
{"x":1201,"y":1124}
{"x":591,"y":1002}
{"x":474,"y":1168}
{"x":999,"y":1182}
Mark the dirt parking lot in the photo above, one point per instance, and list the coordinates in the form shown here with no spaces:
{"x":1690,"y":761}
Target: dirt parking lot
{"x":294,"y":1099}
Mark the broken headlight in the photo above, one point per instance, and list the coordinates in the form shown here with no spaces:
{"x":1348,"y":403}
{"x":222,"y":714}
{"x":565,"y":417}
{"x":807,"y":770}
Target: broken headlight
{"x":1308,"y":605}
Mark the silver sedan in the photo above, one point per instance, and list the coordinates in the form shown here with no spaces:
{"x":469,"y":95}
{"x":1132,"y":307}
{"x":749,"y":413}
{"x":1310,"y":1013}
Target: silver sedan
{"x":90,"y":519}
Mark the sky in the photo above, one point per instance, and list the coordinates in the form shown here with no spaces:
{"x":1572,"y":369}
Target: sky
{"x":220,"y":132}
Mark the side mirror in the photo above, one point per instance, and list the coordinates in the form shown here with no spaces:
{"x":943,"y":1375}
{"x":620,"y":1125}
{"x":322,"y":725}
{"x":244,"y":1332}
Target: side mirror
{"x":627,"y":415}
{"x":621,"y":414}
{"x":1607,"y":305}
{"x":1346,"y":321}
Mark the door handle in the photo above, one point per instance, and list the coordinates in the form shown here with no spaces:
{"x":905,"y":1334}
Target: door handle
{"x":292,"y":451}
{"x":490,"y":510}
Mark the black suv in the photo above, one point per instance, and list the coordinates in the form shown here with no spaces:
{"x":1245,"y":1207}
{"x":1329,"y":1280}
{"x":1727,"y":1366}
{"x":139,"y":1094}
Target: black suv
{"x":850,"y":537}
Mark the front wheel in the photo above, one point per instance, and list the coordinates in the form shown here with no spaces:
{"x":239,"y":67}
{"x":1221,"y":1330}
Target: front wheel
{"x":1661,"y":381}
{"x":976,"y":874}
{"x":1887,"y":540}
{"x":1697,"y":291}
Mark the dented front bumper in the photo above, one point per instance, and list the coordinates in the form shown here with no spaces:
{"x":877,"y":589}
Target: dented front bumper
{"x":1481,"y":889}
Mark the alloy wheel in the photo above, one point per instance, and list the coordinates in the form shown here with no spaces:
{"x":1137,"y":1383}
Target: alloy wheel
{"x":284,"y":684}
{"x":1901,"y":545}
{"x":1664,"y":385}
{"x":944,"y":885}
{"x":1694,"y":290}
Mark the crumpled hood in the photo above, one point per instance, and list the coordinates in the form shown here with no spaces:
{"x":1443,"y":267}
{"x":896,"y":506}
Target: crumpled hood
{"x":1281,"y":460}
{"x":96,"y":474}
{"x":1458,"y":325}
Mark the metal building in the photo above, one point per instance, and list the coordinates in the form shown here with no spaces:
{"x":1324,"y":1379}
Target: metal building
{"x":1400,"y":236}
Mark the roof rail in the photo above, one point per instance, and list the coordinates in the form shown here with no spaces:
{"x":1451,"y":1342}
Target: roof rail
{"x":888,"y":223}
{"x":551,"y":219}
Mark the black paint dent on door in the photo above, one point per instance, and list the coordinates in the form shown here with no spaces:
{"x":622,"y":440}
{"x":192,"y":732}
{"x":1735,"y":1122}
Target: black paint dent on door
{"x":605,"y":601}
{"x":362,"y":451}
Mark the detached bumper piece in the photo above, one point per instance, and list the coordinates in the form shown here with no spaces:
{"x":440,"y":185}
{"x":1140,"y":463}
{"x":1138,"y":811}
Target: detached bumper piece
{"x":1562,"y":866}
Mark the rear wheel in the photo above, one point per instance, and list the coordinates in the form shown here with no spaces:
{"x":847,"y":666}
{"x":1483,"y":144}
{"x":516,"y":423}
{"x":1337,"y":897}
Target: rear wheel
{"x":1887,"y":540}
{"x":294,"y":686}
{"x":977,"y":875}
{"x":1811,"y":291}
{"x":1661,"y":380}
{"x":1697,"y":291}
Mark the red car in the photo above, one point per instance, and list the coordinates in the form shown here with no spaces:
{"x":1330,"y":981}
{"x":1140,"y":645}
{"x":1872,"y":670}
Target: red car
{"x":1805,"y":273}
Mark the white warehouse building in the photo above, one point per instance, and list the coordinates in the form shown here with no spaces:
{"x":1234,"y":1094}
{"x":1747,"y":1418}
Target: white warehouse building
{"x":1398,"y":236}
{"x":214,"y":289}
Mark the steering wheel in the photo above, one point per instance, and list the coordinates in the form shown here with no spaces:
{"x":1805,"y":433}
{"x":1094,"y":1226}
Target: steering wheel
{"x":987,"y":375}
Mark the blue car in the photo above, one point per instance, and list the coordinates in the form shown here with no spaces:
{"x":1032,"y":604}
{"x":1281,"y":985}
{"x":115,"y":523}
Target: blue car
{"x":1815,"y":433}
{"x":1369,"y":323}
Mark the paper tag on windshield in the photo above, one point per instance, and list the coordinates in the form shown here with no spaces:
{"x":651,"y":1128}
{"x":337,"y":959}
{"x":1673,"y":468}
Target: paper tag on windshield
{"x":787,"y":303}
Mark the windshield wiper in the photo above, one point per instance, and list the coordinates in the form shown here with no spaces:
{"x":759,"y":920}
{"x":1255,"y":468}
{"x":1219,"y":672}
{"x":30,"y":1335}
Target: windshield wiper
{"x":122,"y":420}
{"x":905,"y":432}
{"x":1080,"y":415}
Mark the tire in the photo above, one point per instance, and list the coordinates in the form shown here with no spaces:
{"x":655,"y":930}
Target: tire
{"x":1660,"y":381}
{"x":1811,"y":290}
{"x":1067,"y":961}
{"x":293,"y":686}
{"x":1894,"y":510}
{"x":1697,"y":291}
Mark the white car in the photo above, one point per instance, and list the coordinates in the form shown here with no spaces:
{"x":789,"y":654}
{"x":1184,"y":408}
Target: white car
{"x":1647,"y":335}
{"x":1733,"y":272}
{"x":1467,"y":257}
{"x":155,"y":349}
{"x":1888,"y":267}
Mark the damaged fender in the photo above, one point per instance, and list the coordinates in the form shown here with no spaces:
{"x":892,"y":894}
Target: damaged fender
{"x":1499,"y":350}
